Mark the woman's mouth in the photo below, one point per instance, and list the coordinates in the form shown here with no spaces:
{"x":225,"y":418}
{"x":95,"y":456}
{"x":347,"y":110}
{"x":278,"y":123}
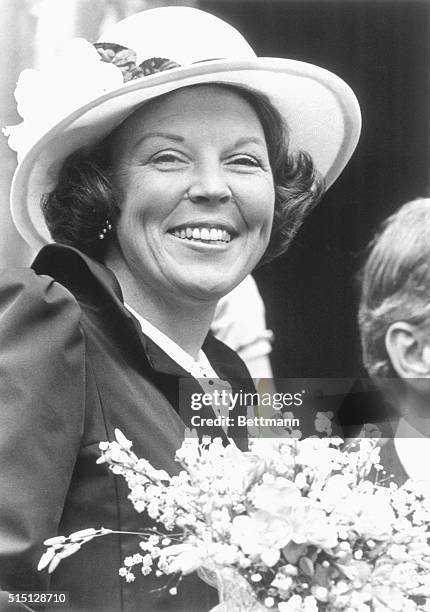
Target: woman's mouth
{"x":202,"y":234}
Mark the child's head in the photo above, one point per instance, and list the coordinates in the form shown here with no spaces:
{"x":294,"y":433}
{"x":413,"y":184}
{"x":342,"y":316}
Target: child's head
{"x":394,"y":314}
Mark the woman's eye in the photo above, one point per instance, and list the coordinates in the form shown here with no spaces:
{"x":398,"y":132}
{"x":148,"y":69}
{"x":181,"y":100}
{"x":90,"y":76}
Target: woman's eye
{"x":167,"y":158}
{"x":245,"y":160}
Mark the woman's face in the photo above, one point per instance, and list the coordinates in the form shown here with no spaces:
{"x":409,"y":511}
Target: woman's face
{"x":197,"y":193}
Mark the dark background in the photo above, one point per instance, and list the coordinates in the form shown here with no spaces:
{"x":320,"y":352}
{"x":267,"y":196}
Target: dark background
{"x":382,"y":50}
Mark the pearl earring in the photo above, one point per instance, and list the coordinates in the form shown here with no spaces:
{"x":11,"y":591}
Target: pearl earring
{"x":105,"y":229}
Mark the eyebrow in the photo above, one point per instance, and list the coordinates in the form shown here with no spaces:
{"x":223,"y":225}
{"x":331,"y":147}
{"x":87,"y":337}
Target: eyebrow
{"x":165,"y":135}
{"x":250,"y":139}
{"x":176,"y":138}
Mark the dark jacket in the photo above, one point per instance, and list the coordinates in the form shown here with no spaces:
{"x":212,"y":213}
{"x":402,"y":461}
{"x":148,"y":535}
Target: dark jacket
{"x":73,"y":366}
{"x":389,"y":459}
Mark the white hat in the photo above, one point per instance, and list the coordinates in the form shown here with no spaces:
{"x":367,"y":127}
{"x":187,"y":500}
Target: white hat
{"x":89,"y":90}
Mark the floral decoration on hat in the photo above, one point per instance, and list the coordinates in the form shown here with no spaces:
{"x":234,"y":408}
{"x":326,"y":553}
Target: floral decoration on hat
{"x":125,"y":59}
{"x":80,"y":73}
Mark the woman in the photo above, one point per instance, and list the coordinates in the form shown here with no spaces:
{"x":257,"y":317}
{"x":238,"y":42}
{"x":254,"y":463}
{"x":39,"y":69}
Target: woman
{"x":161,"y":194}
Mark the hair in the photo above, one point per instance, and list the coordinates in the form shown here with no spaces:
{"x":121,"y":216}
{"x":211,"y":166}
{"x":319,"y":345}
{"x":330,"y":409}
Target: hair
{"x":85,"y":194}
{"x":395,"y":283}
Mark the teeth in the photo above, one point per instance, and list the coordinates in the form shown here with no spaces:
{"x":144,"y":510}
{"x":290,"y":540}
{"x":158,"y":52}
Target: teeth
{"x":207,"y":234}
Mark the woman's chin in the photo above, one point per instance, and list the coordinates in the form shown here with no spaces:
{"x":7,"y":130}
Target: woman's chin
{"x":206,"y":289}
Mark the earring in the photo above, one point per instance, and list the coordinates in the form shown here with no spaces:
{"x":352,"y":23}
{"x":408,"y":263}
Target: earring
{"x":105,"y":229}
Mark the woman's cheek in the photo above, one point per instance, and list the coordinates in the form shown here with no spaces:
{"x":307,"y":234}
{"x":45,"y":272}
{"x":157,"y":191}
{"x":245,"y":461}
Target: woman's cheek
{"x":260,"y":204}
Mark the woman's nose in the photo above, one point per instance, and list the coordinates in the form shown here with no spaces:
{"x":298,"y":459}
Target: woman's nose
{"x":209,"y":187}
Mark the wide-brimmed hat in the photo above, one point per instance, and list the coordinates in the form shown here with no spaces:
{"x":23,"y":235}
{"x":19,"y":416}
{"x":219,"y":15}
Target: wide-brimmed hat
{"x":89,"y":90}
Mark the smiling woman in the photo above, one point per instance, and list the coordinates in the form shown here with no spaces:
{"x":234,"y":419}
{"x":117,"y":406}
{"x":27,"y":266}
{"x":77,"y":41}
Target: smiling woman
{"x":183,"y":162}
{"x":165,"y":176}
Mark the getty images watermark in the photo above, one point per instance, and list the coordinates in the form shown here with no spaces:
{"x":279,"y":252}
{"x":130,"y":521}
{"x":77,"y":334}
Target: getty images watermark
{"x":271,"y":408}
{"x":280,"y":407}
{"x":225,"y":405}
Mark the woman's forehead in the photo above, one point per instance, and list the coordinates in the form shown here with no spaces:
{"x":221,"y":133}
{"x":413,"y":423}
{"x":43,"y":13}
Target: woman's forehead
{"x":192,"y":108}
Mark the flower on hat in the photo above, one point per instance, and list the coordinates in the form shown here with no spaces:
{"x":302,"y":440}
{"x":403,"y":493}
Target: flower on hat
{"x":126,"y":60}
{"x":68,"y":81}
{"x":80,"y":73}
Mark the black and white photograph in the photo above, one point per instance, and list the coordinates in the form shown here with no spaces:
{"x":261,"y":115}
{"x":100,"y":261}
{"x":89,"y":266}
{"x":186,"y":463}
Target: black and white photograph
{"x":215,"y":305}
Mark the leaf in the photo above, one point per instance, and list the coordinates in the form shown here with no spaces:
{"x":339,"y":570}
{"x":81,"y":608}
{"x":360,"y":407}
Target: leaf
{"x":322,"y":575}
{"x":292,"y":552}
{"x":313,"y":553}
{"x":307,"y":566}
{"x":356,"y":570}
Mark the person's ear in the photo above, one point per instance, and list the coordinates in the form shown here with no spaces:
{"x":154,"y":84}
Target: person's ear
{"x":409,"y":350}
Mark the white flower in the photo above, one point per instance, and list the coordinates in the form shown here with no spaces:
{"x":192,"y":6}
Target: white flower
{"x":45,"y":96}
{"x":294,"y":604}
{"x":388,"y":598}
{"x":282,"y":583}
{"x":273,"y":508}
{"x":186,"y":558}
{"x":83,"y":534}
{"x":323,"y":422}
{"x":55,"y":540}
{"x":270,"y":556}
{"x":241,"y":469}
{"x":336,"y":489}
{"x":278,"y":497}
{"x":122,"y":440}
{"x":46,"y":559}
{"x":374,"y":516}
{"x":310,"y":524}
{"x":310,"y":604}
{"x":189,"y":451}
{"x":319,"y":455}
{"x":320,"y":593}
{"x":261,"y":534}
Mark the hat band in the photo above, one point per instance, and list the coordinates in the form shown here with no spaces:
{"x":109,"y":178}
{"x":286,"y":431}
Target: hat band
{"x":125,"y":59}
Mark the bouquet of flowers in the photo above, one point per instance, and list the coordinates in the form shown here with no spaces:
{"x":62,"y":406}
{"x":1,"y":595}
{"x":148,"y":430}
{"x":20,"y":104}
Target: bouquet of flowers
{"x":289,"y":526}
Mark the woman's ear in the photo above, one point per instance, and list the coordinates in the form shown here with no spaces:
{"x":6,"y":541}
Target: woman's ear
{"x":409,"y":350}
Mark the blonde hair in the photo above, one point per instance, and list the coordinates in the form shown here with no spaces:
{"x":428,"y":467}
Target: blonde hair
{"x":395,"y":282}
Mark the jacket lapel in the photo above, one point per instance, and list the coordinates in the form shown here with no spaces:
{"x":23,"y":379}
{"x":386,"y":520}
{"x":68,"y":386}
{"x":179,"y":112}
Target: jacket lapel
{"x":92,"y":283}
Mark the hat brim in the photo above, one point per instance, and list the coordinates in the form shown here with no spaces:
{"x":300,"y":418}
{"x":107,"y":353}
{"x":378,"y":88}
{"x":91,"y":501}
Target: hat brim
{"x":320,"y":109}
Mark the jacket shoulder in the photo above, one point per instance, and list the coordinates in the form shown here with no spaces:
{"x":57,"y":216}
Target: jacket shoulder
{"x":39,"y":324}
{"x":26,"y":294}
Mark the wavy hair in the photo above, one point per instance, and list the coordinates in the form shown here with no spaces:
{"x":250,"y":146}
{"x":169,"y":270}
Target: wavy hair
{"x":85,"y":194}
{"x":395,"y":283}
